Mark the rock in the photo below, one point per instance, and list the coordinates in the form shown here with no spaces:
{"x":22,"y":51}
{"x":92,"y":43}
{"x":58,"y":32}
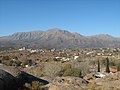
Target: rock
{"x":109,"y":82}
{"x":2,"y":85}
{"x":10,"y":69}
{"x":7,"y":81}
{"x":63,"y":87}
{"x":11,"y":78}
{"x":68,"y":83}
{"x":89,"y":77}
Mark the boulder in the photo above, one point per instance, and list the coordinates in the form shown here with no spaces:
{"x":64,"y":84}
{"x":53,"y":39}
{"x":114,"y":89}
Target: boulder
{"x":109,"y":82}
{"x":11,"y":78}
{"x":68,"y":83}
{"x":7,"y":81}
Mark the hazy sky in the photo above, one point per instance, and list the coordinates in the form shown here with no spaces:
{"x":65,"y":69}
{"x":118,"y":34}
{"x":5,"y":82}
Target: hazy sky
{"x":87,"y":17}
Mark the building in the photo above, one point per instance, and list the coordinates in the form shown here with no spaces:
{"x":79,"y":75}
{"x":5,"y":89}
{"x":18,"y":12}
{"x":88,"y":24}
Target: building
{"x":113,"y":70}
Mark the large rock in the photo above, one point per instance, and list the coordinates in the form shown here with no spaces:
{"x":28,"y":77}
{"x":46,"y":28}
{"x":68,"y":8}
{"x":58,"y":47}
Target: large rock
{"x":7,"y":81}
{"x":68,"y":83}
{"x":10,"y":69}
{"x":109,"y":82}
{"x":11,"y":78}
{"x":89,"y":77}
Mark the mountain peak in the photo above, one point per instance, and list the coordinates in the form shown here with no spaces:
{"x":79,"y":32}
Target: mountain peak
{"x":57,"y":38}
{"x":58,"y":31}
{"x":55,"y":30}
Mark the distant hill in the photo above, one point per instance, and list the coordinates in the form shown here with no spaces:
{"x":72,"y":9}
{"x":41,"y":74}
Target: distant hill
{"x":56,"y":38}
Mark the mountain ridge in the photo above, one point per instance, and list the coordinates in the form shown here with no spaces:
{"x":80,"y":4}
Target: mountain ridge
{"x":57,"y":38}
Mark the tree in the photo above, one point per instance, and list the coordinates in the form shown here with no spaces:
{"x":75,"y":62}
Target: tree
{"x":107,"y":65}
{"x":98,"y":66}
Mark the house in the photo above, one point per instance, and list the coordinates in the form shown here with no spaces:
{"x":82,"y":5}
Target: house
{"x":99,"y":75}
{"x":76,"y":57}
{"x":64,"y":59}
{"x":23,"y":48}
{"x":34,"y":51}
{"x":28,"y":63}
{"x":113,"y":70}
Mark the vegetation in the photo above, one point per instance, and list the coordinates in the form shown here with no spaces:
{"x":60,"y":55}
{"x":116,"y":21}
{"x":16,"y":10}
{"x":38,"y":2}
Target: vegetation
{"x":5,"y":58}
{"x":52,"y":69}
{"x":98,"y":66}
{"x":72,"y":72}
{"x":35,"y":85}
{"x":67,"y":66}
{"x":118,"y":68}
{"x":49,"y":67}
{"x":107,"y":65}
{"x":7,"y":62}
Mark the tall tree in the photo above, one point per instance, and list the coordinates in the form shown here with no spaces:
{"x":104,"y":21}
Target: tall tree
{"x":107,"y":65}
{"x":98,"y":66}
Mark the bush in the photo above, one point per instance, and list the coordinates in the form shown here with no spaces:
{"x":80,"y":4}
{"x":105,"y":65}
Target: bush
{"x":52,"y":69}
{"x":72,"y":72}
{"x":8,"y":62}
{"x":5,"y":58}
{"x":112,"y":63}
{"x":26,"y":62}
{"x":18,"y":62}
{"x":67,"y":66}
{"x":35,"y":85}
{"x":15,"y":57}
{"x":118,"y":68}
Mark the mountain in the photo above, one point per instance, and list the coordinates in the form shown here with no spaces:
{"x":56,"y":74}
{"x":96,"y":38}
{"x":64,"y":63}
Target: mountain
{"x":56,"y":38}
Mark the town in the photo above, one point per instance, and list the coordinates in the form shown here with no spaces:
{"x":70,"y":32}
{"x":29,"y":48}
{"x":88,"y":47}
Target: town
{"x":87,"y":64}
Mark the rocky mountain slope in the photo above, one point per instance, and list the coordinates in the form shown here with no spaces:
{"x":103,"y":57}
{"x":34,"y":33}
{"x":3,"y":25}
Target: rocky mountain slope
{"x":56,"y":38}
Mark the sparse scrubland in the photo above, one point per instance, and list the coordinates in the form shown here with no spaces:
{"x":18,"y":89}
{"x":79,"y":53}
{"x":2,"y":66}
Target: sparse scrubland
{"x":64,"y":69}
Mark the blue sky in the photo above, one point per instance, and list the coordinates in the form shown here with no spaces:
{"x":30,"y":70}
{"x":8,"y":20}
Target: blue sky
{"x":87,"y":17}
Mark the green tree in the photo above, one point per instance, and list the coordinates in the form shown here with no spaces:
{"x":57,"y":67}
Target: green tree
{"x":98,"y":66}
{"x":107,"y":65}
